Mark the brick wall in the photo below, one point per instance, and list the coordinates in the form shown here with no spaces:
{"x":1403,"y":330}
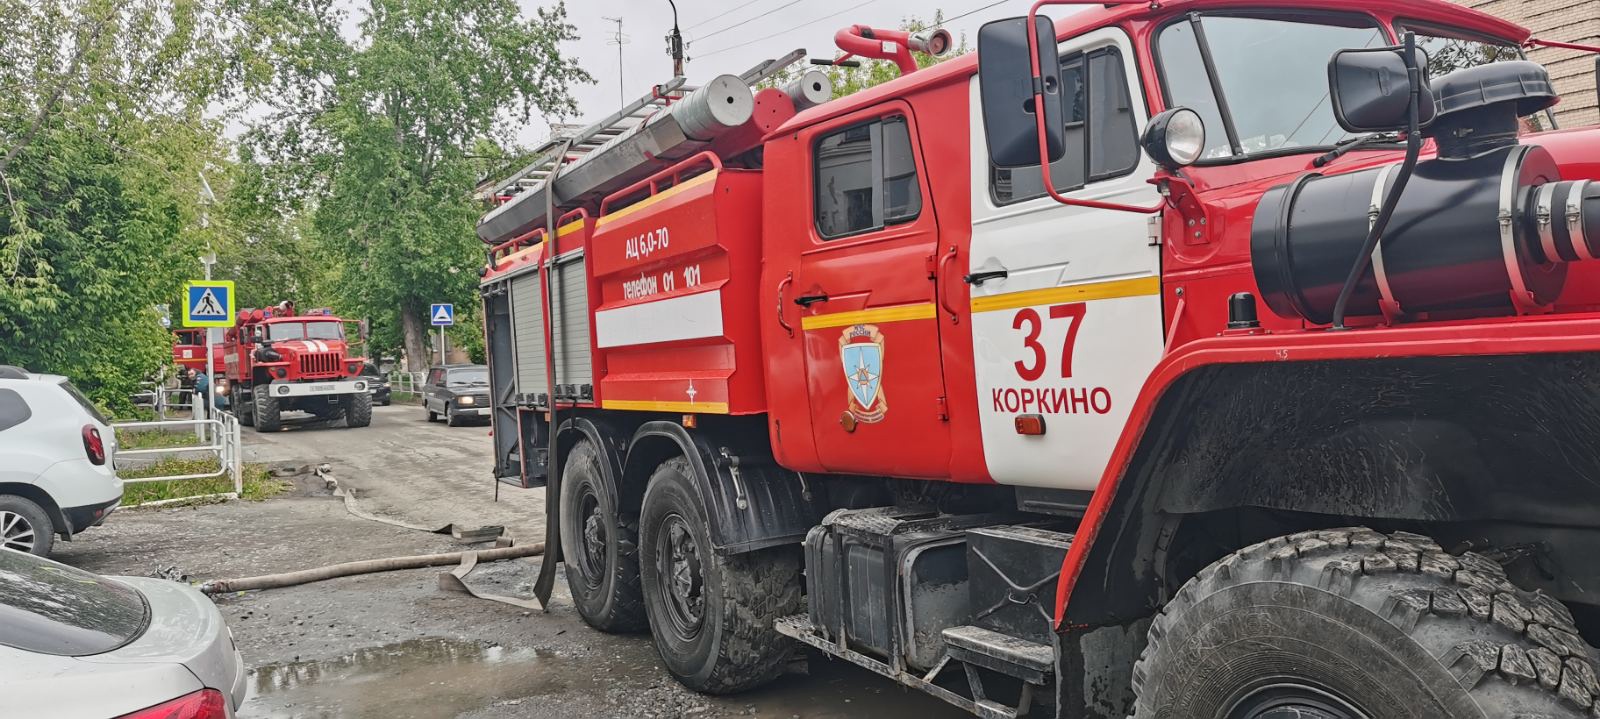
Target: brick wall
{"x":1573,"y":71}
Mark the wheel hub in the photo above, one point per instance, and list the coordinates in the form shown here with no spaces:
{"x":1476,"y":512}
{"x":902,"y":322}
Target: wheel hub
{"x":1292,"y":701}
{"x":678,"y":559}
{"x":16,"y":532}
{"x":594,"y":539}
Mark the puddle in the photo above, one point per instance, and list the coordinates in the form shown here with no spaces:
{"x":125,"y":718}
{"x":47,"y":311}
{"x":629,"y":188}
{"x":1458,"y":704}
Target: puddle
{"x":415,"y":678}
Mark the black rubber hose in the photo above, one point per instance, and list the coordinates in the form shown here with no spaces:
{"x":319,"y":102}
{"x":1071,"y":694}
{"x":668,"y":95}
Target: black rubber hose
{"x":1413,"y":150}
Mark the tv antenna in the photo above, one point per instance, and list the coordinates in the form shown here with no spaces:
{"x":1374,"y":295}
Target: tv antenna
{"x":619,"y":40}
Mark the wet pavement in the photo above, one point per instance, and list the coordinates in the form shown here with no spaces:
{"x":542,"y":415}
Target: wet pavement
{"x":393,"y":645}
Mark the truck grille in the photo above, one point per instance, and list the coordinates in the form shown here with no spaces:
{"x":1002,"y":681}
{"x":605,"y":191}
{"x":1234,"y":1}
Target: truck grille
{"x":320,"y":363}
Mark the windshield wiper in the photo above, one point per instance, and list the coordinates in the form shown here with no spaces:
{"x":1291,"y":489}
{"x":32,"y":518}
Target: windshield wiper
{"x":1354,"y":143}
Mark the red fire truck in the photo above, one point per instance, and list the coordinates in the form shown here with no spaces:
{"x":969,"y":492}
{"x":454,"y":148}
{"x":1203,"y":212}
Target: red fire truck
{"x":1234,"y":361}
{"x":189,"y":350}
{"x":279,"y":360}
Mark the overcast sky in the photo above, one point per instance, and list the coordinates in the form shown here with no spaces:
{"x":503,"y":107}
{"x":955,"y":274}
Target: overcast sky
{"x":727,"y":36}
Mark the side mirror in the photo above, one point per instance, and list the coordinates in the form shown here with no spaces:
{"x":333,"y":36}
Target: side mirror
{"x":1005,"y":77}
{"x":1174,"y":138}
{"x":1371,"y":89}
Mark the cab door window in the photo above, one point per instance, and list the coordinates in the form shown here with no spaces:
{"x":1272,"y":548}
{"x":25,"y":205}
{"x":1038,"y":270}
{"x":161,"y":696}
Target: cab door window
{"x":866,"y":179}
{"x":1101,"y":138}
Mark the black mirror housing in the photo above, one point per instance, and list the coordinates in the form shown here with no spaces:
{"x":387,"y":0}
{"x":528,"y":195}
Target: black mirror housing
{"x":1371,"y":89}
{"x":1007,"y":92}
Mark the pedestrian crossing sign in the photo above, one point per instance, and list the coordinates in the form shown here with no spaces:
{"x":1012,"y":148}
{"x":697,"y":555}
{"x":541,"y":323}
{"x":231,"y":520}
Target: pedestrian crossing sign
{"x":208,"y":303}
{"x":443,"y":315}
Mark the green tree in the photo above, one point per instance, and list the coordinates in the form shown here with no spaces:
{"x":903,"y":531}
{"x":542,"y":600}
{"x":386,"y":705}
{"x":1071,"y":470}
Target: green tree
{"x":380,"y":129}
{"x":103,"y":139}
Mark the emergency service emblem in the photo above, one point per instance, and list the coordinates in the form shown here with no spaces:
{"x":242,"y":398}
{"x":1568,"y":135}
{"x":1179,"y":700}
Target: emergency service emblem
{"x":861,"y":353}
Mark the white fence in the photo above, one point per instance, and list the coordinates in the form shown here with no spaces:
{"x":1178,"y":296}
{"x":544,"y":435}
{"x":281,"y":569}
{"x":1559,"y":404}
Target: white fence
{"x":220,"y":437}
{"x":406,"y":382}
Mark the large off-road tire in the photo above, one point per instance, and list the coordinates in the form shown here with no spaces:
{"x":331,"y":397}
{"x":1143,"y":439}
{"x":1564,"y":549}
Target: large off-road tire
{"x":711,"y":615}
{"x":599,"y":545}
{"x":25,"y":526}
{"x":357,"y":409}
{"x":245,"y":411}
{"x":268,"y":418}
{"x":1350,"y":622}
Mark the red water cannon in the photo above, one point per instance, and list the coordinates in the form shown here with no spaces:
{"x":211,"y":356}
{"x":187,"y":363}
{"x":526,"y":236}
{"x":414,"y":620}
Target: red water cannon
{"x":896,"y":45}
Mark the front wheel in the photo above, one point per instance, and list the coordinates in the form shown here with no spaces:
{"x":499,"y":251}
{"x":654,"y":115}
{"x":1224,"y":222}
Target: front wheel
{"x":357,"y":409}
{"x":264,"y":408}
{"x":711,"y":615}
{"x":1350,"y":623}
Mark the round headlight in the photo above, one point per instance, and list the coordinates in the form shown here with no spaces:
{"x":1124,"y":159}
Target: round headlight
{"x":361,"y":386}
{"x":1175,"y":138}
{"x":283,"y":390}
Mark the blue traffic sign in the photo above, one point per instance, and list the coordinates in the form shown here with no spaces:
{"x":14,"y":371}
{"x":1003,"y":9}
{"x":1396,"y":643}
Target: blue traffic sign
{"x":208,"y":303}
{"x":443,"y":315}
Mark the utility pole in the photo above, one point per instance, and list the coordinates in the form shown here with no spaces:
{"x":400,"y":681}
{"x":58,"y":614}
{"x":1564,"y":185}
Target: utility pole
{"x":675,"y":43}
{"x":619,"y":40}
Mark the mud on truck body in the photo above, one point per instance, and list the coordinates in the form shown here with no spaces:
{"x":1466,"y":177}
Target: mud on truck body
{"x":1278,"y":400}
{"x":279,"y":360}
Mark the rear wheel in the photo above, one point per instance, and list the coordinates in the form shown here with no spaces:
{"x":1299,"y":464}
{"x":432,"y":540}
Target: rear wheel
{"x":711,"y":615}
{"x":599,"y":545}
{"x":1350,"y":623}
{"x":357,"y":409}
{"x":245,"y":411}
{"x":432,"y":416}
{"x":25,"y":526}
{"x":264,"y":407}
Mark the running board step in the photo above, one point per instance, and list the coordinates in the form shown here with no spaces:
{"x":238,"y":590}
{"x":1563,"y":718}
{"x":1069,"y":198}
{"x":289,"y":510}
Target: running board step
{"x":1031,"y":662}
{"x":800,"y":628}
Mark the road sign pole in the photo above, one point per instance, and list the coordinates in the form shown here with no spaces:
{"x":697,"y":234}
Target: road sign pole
{"x":208,"y":259}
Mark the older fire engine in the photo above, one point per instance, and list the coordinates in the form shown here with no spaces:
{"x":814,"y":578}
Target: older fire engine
{"x":278,"y":359}
{"x":1272,"y":391}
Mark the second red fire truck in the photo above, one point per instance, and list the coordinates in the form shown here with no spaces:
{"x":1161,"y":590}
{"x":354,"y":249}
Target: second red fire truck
{"x":279,"y":360}
{"x":1278,"y":398}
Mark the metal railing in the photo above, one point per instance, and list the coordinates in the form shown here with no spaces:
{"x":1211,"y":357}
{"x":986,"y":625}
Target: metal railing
{"x":221,"y":437}
{"x":406,"y":382}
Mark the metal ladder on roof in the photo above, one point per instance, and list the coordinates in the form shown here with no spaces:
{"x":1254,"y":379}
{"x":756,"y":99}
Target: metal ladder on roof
{"x":621,"y":122}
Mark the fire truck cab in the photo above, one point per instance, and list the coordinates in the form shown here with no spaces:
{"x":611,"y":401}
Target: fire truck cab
{"x":1275,"y":399}
{"x":278,"y":360}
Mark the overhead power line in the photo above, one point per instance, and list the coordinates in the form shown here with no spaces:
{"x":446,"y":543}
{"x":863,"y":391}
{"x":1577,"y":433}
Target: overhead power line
{"x":724,"y":13}
{"x":975,"y":11}
{"x":786,"y":31}
{"x":747,"y":21}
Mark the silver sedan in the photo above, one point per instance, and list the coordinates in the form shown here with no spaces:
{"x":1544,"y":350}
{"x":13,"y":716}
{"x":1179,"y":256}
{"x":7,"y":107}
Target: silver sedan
{"x":75,"y":645}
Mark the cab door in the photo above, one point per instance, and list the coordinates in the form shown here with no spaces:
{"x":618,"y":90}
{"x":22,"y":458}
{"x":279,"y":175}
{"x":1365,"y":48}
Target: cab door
{"x":871,"y":332}
{"x":1066,"y":304}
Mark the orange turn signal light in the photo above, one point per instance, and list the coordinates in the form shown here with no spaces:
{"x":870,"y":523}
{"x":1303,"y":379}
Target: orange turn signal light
{"x":1029,"y":424}
{"x":689,"y":421}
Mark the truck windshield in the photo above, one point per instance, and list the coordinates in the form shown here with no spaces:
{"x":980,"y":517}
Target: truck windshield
{"x":322,"y":330}
{"x":1271,"y":78}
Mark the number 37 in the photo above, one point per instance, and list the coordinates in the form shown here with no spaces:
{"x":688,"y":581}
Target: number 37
{"x":1033,"y":368}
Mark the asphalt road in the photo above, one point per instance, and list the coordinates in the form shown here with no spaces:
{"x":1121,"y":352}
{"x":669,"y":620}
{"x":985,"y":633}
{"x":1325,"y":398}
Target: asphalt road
{"x":395,"y":646}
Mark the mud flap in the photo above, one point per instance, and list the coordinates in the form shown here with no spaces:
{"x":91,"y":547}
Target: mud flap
{"x":751,"y":501}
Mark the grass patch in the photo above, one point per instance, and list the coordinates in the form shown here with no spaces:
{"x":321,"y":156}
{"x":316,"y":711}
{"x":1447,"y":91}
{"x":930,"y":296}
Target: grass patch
{"x":407,"y":397}
{"x":259,"y":484}
{"x":156,"y":439}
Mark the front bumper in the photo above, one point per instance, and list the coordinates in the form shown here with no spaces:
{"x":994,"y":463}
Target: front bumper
{"x":305,"y":389}
{"x":93,"y":515}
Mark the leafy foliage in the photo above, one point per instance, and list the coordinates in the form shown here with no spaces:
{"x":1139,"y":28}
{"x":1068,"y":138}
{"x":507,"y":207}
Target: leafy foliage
{"x":382,"y":128}
{"x":103,"y":140}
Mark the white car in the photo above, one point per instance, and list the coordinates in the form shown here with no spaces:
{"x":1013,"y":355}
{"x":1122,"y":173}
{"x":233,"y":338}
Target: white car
{"x":56,"y":472}
{"x":75,"y":645}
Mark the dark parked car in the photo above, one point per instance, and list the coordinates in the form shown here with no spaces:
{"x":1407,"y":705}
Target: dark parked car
{"x":377,"y":385}
{"x":458,"y":392}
